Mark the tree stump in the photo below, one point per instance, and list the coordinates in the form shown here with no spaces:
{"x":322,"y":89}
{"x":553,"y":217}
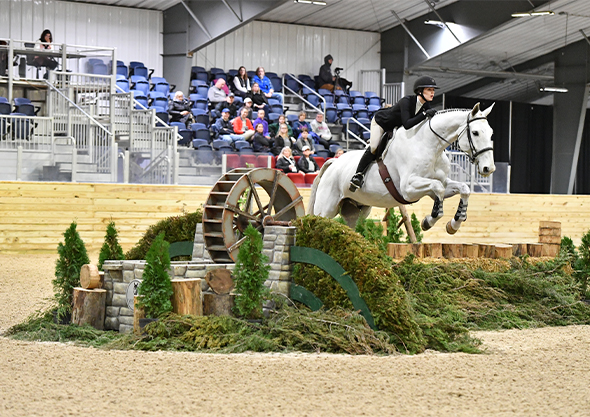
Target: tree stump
{"x":220,"y":280}
{"x":452,"y":250}
{"x":186,"y":298}
{"x":550,"y":232}
{"x":138,"y":313}
{"x":417,"y":249}
{"x":218,"y":304}
{"x":90,"y":277}
{"x":485,"y":250}
{"x":433,"y":250}
{"x":89,"y":306}
{"x":550,"y":250}
{"x":535,"y":249}
{"x":398,"y":250}
{"x":470,"y":251}
{"x":502,"y":251}
{"x":519,"y":249}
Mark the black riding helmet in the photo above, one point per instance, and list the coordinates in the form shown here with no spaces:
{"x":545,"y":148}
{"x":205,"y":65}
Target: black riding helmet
{"x":423,"y":82}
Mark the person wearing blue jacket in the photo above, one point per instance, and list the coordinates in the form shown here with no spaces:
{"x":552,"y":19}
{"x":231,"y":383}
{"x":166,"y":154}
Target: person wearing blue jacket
{"x":266,"y":86}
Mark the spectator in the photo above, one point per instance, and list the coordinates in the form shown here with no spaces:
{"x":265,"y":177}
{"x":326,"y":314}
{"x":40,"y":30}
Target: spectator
{"x":216,"y":93}
{"x":266,"y":86}
{"x":247,"y":105}
{"x":306,"y":163}
{"x":282,"y":139}
{"x":299,"y":124}
{"x":241,"y":83}
{"x":326,"y":79}
{"x":304,"y":141}
{"x":285,"y":161}
{"x":273,"y":129}
{"x":259,"y":100}
{"x":224,"y":129}
{"x":243,"y":126}
{"x":44,"y":44}
{"x":228,"y":104}
{"x":339,"y":153}
{"x":180,"y":109}
{"x":260,"y":142}
{"x":264,"y":123}
{"x":321,"y":129}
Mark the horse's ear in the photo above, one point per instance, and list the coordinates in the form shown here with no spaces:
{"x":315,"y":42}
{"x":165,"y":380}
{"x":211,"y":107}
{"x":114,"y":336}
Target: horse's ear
{"x":475,"y":110}
{"x":488,"y":110}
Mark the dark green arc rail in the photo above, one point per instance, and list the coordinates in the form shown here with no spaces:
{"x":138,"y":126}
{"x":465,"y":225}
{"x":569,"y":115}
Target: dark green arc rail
{"x":328,"y":264}
{"x":184,"y":248}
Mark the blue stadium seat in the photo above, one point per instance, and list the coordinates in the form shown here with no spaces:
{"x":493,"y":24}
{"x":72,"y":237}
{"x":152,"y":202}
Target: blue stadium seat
{"x":123,"y":85}
{"x":179,"y":125}
{"x":240,"y":144}
{"x":162,"y":116}
{"x":334,"y":147}
{"x":292,"y":118}
{"x":273,"y":117}
{"x":277,"y":83}
{"x":202,"y":134}
{"x":3,"y":100}
{"x":330,"y":113}
{"x":324,"y":153}
{"x":4,"y":108}
{"x":187,"y":137}
{"x":100,"y":69}
{"x":199,"y":142}
{"x":360,"y":111}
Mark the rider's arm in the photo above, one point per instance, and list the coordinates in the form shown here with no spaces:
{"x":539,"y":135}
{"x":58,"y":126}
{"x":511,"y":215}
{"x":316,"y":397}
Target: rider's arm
{"x":406,"y":112}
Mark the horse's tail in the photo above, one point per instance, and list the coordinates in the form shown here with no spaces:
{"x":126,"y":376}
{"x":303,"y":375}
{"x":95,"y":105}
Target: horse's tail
{"x":316,"y":183}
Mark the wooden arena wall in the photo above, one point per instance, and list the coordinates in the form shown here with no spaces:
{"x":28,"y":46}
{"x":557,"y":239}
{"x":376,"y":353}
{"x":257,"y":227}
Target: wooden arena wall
{"x":34,"y":215}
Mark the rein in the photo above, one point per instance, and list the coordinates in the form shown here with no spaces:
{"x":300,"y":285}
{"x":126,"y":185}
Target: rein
{"x":474,"y":153}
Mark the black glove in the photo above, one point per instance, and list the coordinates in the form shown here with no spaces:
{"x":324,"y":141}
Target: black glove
{"x":429,"y":112}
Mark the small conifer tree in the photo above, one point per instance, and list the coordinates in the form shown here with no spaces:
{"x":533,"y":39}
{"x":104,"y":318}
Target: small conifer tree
{"x":156,"y":287}
{"x":110,"y":248}
{"x":394,"y":233}
{"x":250,"y":273}
{"x":72,"y":255}
{"x":417,"y":229}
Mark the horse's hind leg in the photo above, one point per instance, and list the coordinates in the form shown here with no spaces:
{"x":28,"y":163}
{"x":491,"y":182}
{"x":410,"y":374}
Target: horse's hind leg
{"x":352,"y":212}
{"x":431,"y":219}
{"x":454,"y":187}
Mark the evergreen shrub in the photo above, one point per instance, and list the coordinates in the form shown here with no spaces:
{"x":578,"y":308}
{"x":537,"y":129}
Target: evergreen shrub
{"x":110,"y":250}
{"x":156,"y":287}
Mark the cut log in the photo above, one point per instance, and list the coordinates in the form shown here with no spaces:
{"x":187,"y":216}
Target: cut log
{"x":485,"y":250}
{"x":452,"y":250}
{"x":433,"y":250}
{"x":417,"y":250}
{"x":550,"y":225}
{"x":90,"y":277}
{"x":502,"y":251}
{"x":470,"y":251}
{"x":550,"y":250}
{"x":186,"y":298}
{"x":217,"y":304}
{"x":556,"y":240}
{"x":398,"y":250}
{"x":545,"y":231}
{"x":138,"y":313}
{"x":89,"y":306}
{"x":535,"y":249}
{"x":220,"y":280}
{"x":519,"y":249}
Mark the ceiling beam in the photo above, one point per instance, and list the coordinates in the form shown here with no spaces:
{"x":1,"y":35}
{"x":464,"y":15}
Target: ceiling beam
{"x":484,"y":73}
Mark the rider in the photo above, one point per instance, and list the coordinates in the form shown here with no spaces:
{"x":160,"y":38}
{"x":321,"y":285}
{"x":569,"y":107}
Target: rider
{"x":408,"y":112}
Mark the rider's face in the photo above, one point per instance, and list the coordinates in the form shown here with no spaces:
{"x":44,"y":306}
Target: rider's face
{"x":428,"y":93}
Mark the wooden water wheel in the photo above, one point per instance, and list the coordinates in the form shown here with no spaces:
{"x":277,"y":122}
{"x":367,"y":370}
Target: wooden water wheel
{"x":256,"y":196}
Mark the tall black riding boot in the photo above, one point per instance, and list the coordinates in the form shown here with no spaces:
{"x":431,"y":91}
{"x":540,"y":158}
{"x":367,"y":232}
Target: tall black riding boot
{"x":357,"y":180}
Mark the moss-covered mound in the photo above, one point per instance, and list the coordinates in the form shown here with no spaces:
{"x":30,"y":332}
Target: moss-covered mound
{"x":378,"y":285}
{"x":176,"y":229}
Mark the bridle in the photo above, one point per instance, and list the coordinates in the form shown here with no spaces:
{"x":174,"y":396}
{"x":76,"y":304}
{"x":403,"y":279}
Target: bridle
{"x":473,"y":153}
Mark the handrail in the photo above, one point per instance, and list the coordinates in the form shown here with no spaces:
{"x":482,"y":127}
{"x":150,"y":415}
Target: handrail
{"x":348,"y":132}
{"x":301,"y":97}
{"x":77,"y":107}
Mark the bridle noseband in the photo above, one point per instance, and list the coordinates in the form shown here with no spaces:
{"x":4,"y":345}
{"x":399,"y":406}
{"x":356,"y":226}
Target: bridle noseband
{"x":474,"y":152}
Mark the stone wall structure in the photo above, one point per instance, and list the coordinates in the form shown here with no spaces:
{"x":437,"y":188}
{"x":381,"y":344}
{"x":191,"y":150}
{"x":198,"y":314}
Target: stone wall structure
{"x":277,"y":241}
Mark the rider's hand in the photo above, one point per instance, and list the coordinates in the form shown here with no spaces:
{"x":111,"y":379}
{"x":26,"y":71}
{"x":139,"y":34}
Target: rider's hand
{"x":430,"y":112}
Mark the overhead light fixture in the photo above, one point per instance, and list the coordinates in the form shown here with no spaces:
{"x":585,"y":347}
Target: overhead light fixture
{"x":436,"y":23}
{"x":537,"y":13}
{"x":553,"y":90}
{"x":317,"y":3}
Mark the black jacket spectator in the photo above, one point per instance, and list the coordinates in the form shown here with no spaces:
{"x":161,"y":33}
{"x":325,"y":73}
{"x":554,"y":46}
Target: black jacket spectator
{"x":260,"y":143}
{"x":303,"y":165}
{"x":325,"y":76}
{"x":285,"y":164}
{"x":176,"y":108}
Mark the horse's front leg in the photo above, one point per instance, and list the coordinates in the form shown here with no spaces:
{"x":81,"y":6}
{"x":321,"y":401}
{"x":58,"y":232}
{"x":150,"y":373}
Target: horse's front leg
{"x":418,"y":188}
{"x":454,"y":187}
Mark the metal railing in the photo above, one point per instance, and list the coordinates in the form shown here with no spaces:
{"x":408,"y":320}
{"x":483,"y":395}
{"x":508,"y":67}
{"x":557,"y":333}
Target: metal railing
{"x":30,"y":133}
{"x":92,"y":93}
{"x":304,"y":87}
{"x":160,"y":169}
{"x":350,"y":133}
{"x":463,"y":170}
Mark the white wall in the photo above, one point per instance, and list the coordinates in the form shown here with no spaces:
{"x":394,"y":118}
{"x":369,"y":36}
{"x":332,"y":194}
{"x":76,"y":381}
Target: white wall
{"x":296,"y":49}
{"x":135,"y":33}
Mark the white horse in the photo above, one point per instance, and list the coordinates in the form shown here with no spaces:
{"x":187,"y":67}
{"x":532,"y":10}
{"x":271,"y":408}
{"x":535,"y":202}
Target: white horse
{"x":417,"y":166}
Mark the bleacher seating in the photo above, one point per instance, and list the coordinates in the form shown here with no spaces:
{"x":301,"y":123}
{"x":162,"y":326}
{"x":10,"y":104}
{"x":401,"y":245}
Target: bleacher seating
{"x":187,"y":137}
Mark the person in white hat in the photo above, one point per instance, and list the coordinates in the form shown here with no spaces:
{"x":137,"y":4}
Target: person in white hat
{"x":306,"y":163}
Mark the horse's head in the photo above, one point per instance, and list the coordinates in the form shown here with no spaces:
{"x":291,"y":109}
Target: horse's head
{"x":476,"y":140}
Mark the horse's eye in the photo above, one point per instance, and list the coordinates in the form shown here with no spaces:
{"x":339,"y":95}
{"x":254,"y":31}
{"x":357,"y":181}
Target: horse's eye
{"x":476,"y":133}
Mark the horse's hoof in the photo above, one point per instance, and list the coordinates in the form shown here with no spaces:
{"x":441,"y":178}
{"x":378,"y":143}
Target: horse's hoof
{"x":425,"y":226}
{"x":450,"y":229}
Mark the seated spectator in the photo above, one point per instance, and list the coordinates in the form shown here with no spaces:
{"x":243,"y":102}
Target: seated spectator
{"x":259,"y":100}
{"x":216,"y":93}
{"x":179,"y":109}
{"x":339,"y":153}
{"x":299,"y":124}
{"x":224,"y":129}
{"x":260,"y":143}
{"x":44,"y":44}
{"x":326,"y":79}
{"x":304,"y":140}
{"x":321,"y":129}
{"x":247,"y":105}
{"x":282,"y":140}
{"x":306,"y":163}
{"x":285,"y":162}
{"x":243,"y":126}
{"x":266,"y":86}
{"x":273,"y":128}
{"x":241,"y":83}
{"x":264,"y":123}
{"x":228,"y":104}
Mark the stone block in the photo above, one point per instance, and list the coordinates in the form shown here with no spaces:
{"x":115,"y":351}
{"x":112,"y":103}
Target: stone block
{"x":115,"y":275}
{"x":281,"y":258}
{"x":112,"y":264}
{"x":196,"y":267}
{"x":119,"y":300}
{"x":275,"y":267}
{"x":268,"y":244}
{"x":281,"y":248}
{"x":285,"y":276}
{"x":268,"y":283}
{"x":128,"y":276}
{"x":179,"y":270}
{"x":112,"y":311}
{"x":109,"y":300}
{"x":274,"y":275}
{"x":125,"y":312}
{"x":269,"y":237}
{"x":120,"y":288}
{"x":128,"y":265}
{"x":108,"y":284}
{"x":287,"y":267}
{"x":268,"y":253}
{"x":281,"y":287}
{"x":195,"y":274}
{"x":138,"y":273}
{"x":111,"y":323}
{"x":125,"y":328}
{"x":285,"y":240}
{"x":214,"y":266}
{"x":127,"y":320}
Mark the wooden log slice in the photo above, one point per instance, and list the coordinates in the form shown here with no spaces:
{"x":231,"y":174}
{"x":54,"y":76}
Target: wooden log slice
{"x":398,"y":250}
{"x":220,"y":280}
{"x":89,"y":307}
{"x":519,"y":249}
{"x":433,"y":250}
{"x":545,"y":231}
{"x":550,"y":225}
{"x":218,"y":304}
{"x":417,"y":249}
{"x":452,"y":250}
{"x":550,"y":239}
{"x":535,"y":249}
{"x":485,"y":250}
{"x":502,"y":251}
{"x":186,"y":298}
{"x":550,"y":250}
{"x":90,"y":277}
{"x":470,"y":251}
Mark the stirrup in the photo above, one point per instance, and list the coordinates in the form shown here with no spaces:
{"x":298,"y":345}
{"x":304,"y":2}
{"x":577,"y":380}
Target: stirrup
{"x":356,"y":182}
